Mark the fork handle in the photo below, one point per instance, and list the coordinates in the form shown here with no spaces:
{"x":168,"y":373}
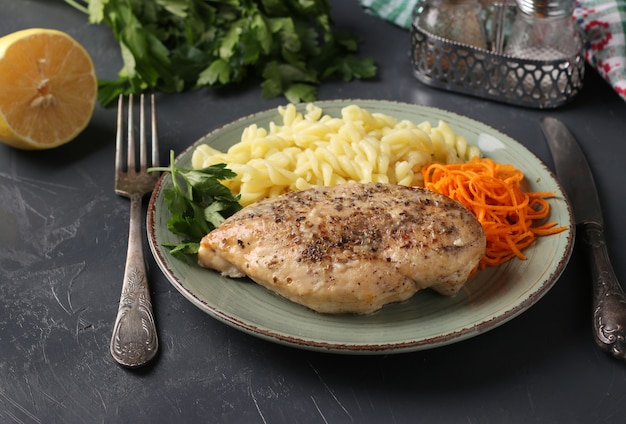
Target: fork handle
{"x":134,"y":341}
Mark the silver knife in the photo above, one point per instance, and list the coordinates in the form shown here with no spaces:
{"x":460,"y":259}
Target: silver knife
{"x":609,"y":301}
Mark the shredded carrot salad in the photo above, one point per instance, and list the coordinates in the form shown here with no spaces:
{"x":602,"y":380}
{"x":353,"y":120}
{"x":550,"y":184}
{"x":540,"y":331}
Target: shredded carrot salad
{"x":511,"y":217}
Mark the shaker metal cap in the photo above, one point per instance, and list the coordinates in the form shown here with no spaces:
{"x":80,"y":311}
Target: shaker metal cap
{"x":546,"y":8}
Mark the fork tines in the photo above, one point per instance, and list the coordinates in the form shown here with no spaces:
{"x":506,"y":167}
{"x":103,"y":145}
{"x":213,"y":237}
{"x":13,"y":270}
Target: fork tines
{"x":126,"y":156}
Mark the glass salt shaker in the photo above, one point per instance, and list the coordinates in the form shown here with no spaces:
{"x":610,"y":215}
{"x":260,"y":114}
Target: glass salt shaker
{"x":461,"y":21}
{"x":543,"y":30}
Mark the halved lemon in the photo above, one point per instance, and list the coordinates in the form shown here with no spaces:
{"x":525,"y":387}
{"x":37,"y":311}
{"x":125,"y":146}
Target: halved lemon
{"x":48,"y":88}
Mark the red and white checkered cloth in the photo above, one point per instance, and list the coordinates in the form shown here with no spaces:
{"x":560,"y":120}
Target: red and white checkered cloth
{"x":604,"y":27}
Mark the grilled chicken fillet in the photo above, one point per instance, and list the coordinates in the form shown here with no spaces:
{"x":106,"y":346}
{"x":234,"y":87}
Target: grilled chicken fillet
{"x":349,"y":248}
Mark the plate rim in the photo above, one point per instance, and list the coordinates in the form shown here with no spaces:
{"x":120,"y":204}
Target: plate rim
{"x":369,"y":347}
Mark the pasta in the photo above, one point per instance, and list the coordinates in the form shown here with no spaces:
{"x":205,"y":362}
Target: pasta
{"x":312,"y":148}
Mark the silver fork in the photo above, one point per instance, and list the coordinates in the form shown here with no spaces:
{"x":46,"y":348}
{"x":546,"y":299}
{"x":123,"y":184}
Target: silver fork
{"x":134,"y":341}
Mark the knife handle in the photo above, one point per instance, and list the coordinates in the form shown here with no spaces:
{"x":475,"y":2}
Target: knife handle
{"x":609,"y":300}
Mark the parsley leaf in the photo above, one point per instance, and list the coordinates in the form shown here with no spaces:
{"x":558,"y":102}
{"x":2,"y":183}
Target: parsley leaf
{"x":198,"y":202}
{"x":177,"y":45}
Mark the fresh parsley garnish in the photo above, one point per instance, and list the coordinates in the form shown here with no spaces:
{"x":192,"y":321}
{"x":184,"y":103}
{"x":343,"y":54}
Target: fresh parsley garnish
{"x":198,"y":202}
{"x":176,"y":45}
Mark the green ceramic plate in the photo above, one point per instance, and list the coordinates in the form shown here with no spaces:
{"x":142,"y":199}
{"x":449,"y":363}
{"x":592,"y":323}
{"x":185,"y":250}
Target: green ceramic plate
{"x":491,"y":298}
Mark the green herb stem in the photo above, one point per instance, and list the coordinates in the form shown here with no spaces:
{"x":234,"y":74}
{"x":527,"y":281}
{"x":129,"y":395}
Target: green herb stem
{"x":198,"y":202}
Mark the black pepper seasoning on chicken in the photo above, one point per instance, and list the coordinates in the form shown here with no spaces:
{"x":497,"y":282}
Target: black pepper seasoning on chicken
{"x":349,"y":248}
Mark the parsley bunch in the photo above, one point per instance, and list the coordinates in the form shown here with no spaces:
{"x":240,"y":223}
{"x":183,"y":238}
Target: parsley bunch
{"x":176,"y":45}
{"x":198,"y":202}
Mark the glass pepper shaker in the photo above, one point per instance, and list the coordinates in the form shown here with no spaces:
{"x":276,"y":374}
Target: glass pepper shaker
{"x":543,"y":30}
{"x":461,"y":21}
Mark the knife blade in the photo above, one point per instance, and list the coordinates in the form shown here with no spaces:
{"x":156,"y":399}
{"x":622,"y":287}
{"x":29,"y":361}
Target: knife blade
{"x":574,"y":173}
{"x":573,"y":170}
